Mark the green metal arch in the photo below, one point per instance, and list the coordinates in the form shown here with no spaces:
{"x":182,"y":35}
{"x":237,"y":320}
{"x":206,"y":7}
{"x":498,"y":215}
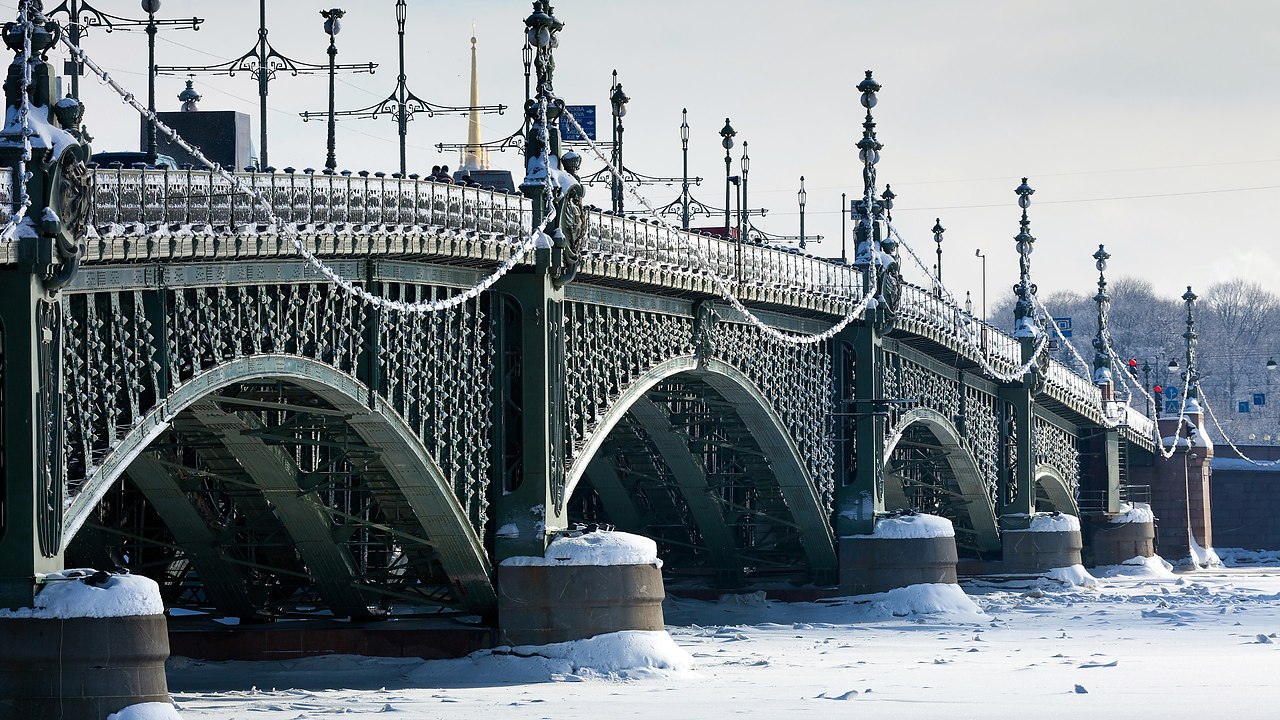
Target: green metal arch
{"x":414,"y":471}
{"x":1056,"y":490}
{"x":766,"y":427}
{"x":982,"y":515}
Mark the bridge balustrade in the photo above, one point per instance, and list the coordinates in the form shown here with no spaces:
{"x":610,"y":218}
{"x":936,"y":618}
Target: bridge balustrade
{"x":199,"y":197}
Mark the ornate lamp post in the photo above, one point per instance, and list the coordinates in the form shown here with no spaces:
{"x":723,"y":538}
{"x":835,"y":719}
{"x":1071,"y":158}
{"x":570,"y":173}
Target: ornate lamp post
{"x":332,"y":25}
{"x":865,"y":208}
{"x":526,"y":54}
{"x":1026,"y":320}
{"x":802,"y":197}
{"x":684,"y":188}
{"x":1102,"y":340}
{"x":1190,"y":376}
{"x":938,"y":230}
{"x":618,"y":99}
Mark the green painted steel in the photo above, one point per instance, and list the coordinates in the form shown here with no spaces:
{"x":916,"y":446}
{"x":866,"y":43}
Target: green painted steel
{"x":305,"y":519}
{"x":224,"y":582}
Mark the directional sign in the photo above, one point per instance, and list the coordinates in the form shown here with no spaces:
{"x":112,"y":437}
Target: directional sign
{"x":586,"y":117}
{"x":1064,"y":326}
{"x":1259,"y":398}
{"x":1171,"y":392}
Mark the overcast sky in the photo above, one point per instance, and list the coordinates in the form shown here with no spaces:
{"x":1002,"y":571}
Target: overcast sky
{"x":1150,"y":126}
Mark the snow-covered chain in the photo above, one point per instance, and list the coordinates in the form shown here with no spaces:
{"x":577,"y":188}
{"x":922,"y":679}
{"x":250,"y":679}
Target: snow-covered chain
{"x":1260,"y":463}
{"x":724,"y":284}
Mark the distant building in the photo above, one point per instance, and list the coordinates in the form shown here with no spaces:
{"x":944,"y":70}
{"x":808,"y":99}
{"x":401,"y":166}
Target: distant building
{"x":222,"y":135}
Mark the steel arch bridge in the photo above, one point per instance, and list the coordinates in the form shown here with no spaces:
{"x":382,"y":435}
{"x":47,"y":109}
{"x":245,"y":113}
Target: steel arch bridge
{"x":212,"y":411}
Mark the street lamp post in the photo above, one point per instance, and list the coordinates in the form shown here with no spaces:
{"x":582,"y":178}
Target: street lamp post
{"x":937,"y":238}
{"x":618,"y":99}
{"x":332,"y":25}
{"x":150,"y":7}
{"x":684,"y":191}
{"x":978,"y":253}
{"x":744,"y":221}
{"x":844,"y":233}
{"x":726,"y":135}
{"x":802,"y":196}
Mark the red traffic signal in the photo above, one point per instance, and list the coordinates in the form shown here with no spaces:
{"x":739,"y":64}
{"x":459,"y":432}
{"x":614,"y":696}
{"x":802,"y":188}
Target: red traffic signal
{"x":1158,"y":389}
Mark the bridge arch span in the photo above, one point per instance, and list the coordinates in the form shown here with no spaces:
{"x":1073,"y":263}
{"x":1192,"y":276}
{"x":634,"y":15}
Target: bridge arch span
{"x":809,"y":515}
{"x":1054,"y":490}
{"x":969,"y":484}
{"x":416,"y":475}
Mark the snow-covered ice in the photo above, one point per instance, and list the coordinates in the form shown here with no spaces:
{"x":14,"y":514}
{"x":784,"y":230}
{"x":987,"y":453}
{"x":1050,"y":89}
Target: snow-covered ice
{"x":1154,"y":644}
{"x":147,"y":711}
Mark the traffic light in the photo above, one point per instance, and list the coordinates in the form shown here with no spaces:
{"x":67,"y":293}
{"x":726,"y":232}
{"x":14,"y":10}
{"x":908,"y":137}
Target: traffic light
{"x":1133,"y":367}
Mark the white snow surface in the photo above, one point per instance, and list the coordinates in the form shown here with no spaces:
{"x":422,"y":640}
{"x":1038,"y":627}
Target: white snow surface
{"x":147,"y":711}
{"x":1135,"y":513}
{"x":1202,"y":643}
{"x":1151,"y":567}
{"x":65,"y":596}
{"x":1072,"y":575}
{"x":912,"y":526}
{"x":1050,"y":522}
{"x":602,"y":547}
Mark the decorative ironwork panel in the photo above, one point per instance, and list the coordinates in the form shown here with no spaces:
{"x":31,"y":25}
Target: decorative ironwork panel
{"x":982,"y":436}
{"x":918,"y":386}
{"x":436,"y":371}
{"x":797,"y":380}
{"x":606,"y":349}
{"x":1059,"y":449}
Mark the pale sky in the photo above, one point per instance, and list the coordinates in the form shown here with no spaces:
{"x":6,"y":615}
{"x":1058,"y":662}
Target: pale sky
{"x":1146,"y":125}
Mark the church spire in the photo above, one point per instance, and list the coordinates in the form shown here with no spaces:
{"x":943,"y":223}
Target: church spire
{"x":473,"y":156}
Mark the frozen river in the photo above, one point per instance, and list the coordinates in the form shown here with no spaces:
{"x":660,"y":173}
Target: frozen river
{"x":1156,"y":645}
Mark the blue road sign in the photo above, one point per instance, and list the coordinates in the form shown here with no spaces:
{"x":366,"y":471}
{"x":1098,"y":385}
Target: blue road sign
{"x":1171,"y":392}
{"x":1171,"y":407}
{"x":586,"y":117}
{"x":1259,"y":398}
{"x":1242,"y":406}
{"x":1064,"y":326}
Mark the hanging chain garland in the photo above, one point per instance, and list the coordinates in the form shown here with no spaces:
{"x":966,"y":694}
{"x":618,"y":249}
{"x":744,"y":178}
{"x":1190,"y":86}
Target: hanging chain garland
{"x":725,"y":285}
{"x":523,"y":249}
{"x":1260,"y":463}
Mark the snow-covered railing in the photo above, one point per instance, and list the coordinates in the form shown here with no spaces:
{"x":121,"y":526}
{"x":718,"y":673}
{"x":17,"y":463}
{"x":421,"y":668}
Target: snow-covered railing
{"x":1073,"y":387}
{"x":199,"y":197}
{"x":664,"y":247}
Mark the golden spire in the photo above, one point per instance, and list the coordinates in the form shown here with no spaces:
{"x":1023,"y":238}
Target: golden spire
{"x":473,"y":157}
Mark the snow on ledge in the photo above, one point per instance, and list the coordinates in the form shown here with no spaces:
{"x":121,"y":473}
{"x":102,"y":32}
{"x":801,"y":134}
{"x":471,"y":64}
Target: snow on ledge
{"x":602,"y":547}
{"x":66,"y":595}
{"x":905,"y":527}
{"x":1050,"y":522}
{"x":1135,"y":513}
{"x":922,"y":599}
{"x":147,"y":711}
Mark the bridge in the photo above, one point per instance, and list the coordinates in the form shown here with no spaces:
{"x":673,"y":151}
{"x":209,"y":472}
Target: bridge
{"x":306,"y":394}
